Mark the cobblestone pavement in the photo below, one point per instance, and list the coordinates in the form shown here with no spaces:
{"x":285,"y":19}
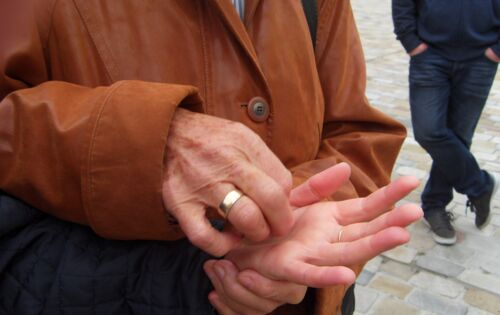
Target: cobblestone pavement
{"x":422,"y":277}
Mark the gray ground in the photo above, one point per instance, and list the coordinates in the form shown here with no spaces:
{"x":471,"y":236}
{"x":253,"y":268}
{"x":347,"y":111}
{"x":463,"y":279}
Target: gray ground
{"x":422,"y":277}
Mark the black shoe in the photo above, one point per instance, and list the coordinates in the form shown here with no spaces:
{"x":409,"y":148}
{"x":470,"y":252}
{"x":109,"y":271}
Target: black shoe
{"x":440,"y":223}
{"x":481,"y":206}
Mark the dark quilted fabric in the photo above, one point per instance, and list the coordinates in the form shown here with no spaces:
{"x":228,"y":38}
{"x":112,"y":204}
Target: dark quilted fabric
{"x":48,"y":266}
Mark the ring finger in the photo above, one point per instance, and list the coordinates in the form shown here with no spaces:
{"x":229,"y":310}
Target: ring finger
{"x":400,"y":216}
{"x":245,"y":216}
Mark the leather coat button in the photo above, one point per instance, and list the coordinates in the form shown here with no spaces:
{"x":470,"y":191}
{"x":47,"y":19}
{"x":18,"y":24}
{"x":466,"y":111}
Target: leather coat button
{"x":258,"y":109}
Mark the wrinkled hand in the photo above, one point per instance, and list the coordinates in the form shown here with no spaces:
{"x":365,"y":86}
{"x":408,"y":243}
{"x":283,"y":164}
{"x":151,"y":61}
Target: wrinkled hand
{"x":418,"y":50}
{"x":312,"y":254}
{"x":490,"y":54}
{"x":206,"y":157}
{"x":251,"y":293}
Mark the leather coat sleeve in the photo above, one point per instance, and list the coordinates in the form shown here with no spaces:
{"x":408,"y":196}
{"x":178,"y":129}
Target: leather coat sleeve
{"x":353,"y":131}
{"x":88,"y":155}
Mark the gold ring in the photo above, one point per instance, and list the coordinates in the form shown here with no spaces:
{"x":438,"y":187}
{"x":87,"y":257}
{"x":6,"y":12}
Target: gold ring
{"x":229,"y":200}
{"x":340,"y":235}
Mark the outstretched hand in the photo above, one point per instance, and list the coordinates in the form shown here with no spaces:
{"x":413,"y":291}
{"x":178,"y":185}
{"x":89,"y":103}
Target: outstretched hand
{"x":327,"y":237}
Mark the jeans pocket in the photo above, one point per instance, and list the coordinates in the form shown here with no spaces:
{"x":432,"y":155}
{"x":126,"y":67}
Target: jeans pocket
{"x":488,"y":59}
{"x":421,"y":54}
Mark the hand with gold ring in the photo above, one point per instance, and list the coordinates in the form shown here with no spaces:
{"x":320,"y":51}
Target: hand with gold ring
{"x":213,"y":164}
{"x":250,"y":292}
{"x":329,"y":236}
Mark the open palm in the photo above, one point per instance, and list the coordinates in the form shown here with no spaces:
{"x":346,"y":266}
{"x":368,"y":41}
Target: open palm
{"x":313,"y":254}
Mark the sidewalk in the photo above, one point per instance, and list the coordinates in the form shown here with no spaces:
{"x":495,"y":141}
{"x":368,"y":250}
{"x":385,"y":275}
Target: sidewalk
{"x":422,"y":277}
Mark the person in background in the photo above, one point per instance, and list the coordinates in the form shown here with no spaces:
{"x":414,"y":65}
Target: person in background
{"x":129,"y":130}
{"x":454,"y":49}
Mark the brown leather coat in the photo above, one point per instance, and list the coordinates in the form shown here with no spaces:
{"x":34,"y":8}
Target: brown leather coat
{"x":88,"y":88}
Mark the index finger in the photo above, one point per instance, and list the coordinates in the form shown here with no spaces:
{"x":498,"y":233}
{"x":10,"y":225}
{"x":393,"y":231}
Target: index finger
{"x":271,"y":198}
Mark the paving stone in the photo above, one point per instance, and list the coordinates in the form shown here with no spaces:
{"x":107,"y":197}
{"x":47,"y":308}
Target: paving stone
{"x":373,"y":264}
{"x":485,"y":156}
{"x":466,"y":225}
{"x":436,"y":284}
{"x":421,"y":241}
{"x":391,"y":306}
{"x":491,"y":266}
{"x":421,"y":228}
{"x":397,"y":269}
{"x":436,"y":304}
{"x":483,"y":146}
{"x":405,"y":170}
{"x":483,"y":300}
{"x":476,"y":278}
{"x":495,"y":220}
{"x":391,"y":286}
{"x":402,"y":254}
{"x":456,"y":254}
{"x":364,"y":277}
{"x":478,"y":259}
{"x":387,"y":89}
{"x":482,"y":136}
{"x":439,"y":265}
{"x":476,"y":311}
{"x":481,"y":243}
{"x":365,"y":298}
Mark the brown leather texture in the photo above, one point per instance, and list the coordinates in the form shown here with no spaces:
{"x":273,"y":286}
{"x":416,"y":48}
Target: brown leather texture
{"x":88,"y":89}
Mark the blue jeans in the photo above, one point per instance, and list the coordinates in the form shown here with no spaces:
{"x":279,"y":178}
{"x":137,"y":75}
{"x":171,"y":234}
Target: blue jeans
{"x":446,"y":100}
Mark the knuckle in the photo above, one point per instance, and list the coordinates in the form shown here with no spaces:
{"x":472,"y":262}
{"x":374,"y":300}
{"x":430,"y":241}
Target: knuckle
{"x":245,"y":212}
{"x":237,"y":170}
{"x":287,"y":182}
{"x":199,"y":237}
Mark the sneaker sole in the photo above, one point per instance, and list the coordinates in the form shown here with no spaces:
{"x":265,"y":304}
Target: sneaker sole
{"x":438,"y":239}
{"x":496,"y":179}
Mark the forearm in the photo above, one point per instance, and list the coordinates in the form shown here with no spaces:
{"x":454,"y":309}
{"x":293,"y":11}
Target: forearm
{"x":404,"y":15}
{"x":92,"y":155}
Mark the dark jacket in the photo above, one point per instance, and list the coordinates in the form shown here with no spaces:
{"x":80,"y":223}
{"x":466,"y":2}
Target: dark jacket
{"x":48,"y":266}
{"x":458,"y":29}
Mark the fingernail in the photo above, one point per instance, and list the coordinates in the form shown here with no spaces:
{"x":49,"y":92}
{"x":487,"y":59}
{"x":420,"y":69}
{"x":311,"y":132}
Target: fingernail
{"x":219,"y":271}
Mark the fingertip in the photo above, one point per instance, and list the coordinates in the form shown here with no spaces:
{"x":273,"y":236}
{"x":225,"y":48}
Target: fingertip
{"x":412,"y":212}
{"x":209,"y":265}
{"x":345,"y":166}
{"x":227,"y":266}
{"x":411,"y":181}
{"x":284,"y":226}
{"x":213,"y":297}
{"x":339,"y":275}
